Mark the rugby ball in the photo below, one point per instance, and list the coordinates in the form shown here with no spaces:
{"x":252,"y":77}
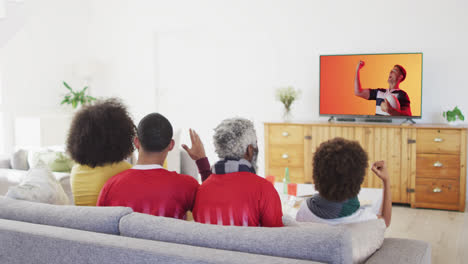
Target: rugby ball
{"x":393,"y":101}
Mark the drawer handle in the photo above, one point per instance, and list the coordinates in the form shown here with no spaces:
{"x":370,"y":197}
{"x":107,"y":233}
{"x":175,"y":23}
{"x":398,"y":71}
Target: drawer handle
{"x":285,"y":134}
{"x":438,"y":140}
{"x":285,"y":156}
{"x":438,"y":164}
{"x":437,"y":190}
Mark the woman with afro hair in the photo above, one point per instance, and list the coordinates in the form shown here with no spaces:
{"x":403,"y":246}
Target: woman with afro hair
{"x":339,"y":167}
{"x":99,"y":140}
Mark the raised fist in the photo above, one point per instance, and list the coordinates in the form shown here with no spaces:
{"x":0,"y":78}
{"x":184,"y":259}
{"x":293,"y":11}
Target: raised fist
{"x":360,"y":65}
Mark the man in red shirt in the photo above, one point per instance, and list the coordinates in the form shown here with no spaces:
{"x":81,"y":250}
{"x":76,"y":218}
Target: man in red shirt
{"x":234,"y":194}
{"x":148,"y":187}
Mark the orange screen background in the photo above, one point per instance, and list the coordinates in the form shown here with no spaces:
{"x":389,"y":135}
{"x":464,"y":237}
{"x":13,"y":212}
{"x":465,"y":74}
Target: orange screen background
{"x":337,"y":75}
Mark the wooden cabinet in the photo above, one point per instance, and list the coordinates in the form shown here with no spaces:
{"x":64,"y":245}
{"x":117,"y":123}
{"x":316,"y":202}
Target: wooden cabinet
{"x":426,"y":163}
{"x":441,"y":168}
{"x":285,"y":149}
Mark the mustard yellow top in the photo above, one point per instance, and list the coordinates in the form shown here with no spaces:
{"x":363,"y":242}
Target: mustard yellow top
{"x":87,"y":182}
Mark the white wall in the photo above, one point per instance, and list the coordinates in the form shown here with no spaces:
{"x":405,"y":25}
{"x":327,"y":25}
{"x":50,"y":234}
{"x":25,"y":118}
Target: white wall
{"x":207,"y":60}
{"x":200,"y":61}
{"x":35,"y":61}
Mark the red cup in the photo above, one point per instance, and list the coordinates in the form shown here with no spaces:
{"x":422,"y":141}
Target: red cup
{"x":271,"y":179}
{"x":292,"y":189}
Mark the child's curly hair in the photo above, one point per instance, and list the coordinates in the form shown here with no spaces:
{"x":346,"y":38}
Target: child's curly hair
{"x":339,"y":169}
{"x":101,"y":133}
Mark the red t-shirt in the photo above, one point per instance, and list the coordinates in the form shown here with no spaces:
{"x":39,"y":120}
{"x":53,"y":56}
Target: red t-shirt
{"x":154,"y":191}
{"x":240,"y":199}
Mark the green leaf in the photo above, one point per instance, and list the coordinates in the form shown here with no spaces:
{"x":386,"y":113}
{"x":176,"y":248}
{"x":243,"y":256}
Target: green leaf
{"x":67,"y":86}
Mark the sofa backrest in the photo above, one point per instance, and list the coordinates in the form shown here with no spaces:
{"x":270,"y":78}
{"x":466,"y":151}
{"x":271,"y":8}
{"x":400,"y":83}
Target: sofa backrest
{"x":32,"y":243}
{"x":330,"y":244}
{"x":96,"y":219}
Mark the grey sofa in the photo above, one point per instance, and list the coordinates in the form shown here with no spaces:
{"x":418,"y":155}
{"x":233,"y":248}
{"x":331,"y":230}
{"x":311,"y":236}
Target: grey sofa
{"x":42,"y":233}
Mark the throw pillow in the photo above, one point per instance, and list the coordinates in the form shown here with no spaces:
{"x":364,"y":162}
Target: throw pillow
{"x":57,"y":161}
{"x":61,"y":163}
{"x":19,"y":160}
{"x":39,"y":185}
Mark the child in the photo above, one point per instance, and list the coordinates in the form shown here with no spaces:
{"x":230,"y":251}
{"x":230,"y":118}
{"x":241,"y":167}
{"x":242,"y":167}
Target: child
{"x":339,"y":169}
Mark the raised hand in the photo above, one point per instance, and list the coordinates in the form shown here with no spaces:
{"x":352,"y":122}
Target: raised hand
{"x":197,"y":151}
{"x":360,"y":65}
{"x":380,"y":169}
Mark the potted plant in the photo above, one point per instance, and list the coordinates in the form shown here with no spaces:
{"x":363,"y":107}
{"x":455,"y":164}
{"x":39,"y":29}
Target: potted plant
{"x":453,"y":116}
{"x":287,"y":95}
{"x":75,"y":98}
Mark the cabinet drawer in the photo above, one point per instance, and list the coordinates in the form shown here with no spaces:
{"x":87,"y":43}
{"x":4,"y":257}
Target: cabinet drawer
{"x":438,"y":141}
{"x":287,"y":134}
{"x":287,"y":156}
{"x":438,"y":166}
{"x":437,"y":191}
{"x":295,"y":174}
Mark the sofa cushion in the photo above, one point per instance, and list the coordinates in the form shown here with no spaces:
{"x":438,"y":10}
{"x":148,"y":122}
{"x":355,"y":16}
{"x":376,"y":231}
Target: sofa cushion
{"x":57,"y":161}
{"x":39,"y":185}
{"x":19,"y":160}
{"x":402,"y":251}
{"x":317,"y":242}
{"x":96,"y":219}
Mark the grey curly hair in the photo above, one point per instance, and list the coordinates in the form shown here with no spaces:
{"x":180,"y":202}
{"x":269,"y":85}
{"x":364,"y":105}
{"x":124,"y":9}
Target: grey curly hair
{"x":233,"y":136}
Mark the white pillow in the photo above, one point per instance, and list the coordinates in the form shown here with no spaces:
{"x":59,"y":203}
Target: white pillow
{"x":39,"y":185}
{"x":19,"y":160}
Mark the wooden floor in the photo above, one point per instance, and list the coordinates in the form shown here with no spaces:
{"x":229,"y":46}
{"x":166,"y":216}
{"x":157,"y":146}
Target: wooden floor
{"x":446,"y":231}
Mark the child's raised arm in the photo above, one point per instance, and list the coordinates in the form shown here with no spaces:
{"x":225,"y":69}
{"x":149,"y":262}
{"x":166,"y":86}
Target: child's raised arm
{"x":380,"y":169}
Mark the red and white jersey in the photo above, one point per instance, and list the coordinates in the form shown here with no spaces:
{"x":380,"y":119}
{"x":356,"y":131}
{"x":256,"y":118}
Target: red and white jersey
{"x":150,"y":189}
{"x":240,"y":199}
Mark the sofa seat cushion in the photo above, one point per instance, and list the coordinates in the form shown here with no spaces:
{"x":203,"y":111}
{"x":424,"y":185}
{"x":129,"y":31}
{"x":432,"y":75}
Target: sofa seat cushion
{"x":315,"y":242}
{"x":96,"y":219}
{"x":402,"y":251}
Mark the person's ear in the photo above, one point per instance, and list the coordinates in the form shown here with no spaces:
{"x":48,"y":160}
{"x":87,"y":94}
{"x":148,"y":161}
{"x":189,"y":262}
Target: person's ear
{"x":171,"y":145}
{"x":136,"y":142}
{"x":250,"y":152}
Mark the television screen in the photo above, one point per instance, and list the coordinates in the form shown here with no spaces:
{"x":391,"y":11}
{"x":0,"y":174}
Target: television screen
{"x":383,"y":85}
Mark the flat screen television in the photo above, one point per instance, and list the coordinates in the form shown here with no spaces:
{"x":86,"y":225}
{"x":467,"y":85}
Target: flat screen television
{"x":386,"y":86}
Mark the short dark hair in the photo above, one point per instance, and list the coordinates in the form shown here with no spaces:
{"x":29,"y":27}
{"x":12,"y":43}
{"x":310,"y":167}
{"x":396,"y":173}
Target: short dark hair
{"x":402,"y":71}
{"x":154,"y":132}
{"x":339,"y":167}
{"x":101,"y":133}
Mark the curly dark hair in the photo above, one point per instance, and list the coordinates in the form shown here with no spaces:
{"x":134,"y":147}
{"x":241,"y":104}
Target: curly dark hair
{"x":339,"y":169}
{"x":101,"y":133}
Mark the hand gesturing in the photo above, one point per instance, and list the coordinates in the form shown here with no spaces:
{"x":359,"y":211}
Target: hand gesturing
{"x":197,"y":151}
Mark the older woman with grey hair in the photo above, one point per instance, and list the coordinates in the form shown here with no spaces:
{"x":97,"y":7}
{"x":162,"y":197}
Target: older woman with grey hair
{"x":234,"y":194}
